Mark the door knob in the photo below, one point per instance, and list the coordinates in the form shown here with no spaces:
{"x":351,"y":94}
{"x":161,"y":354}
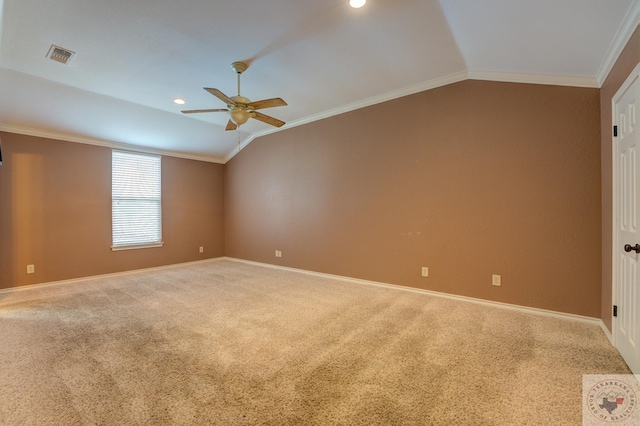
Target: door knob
{"x":628,"y":248}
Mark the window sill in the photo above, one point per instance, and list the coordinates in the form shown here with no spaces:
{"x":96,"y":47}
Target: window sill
{"x":138,"y":246}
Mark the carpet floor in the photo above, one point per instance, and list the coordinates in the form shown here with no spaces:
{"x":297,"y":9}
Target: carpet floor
{"x":229,"y":343}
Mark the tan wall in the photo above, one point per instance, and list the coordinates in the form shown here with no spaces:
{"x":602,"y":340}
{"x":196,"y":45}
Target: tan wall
{"x":55,"y":212}
{"x":625,"y":63}
{"x":472,"y":179}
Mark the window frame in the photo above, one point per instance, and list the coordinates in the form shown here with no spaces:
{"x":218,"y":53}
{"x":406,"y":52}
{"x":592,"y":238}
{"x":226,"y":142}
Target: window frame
{"x":146,"y":244}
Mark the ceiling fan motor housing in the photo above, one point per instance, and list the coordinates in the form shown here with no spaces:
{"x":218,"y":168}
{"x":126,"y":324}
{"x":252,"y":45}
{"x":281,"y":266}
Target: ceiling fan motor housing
{"x":241,"y":109}
{"x":240,"y":100}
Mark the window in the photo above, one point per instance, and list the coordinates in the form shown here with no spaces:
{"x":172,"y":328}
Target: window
{"x":136,"y":208}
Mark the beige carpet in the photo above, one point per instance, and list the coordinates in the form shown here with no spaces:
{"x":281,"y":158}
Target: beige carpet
{"x":228,"y":343}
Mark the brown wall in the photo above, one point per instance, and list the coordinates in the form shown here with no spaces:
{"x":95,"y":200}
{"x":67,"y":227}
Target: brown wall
{"x":472,"y":179}
{"x":625,"y":63}
{"x":55,"y":212}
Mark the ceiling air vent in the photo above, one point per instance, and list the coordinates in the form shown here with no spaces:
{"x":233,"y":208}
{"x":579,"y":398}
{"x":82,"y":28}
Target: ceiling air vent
{"x":60,"y":54}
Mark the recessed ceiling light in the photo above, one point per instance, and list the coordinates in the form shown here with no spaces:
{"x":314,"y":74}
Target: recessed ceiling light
{"x":357,"y":3}
{"x":179,"y":101}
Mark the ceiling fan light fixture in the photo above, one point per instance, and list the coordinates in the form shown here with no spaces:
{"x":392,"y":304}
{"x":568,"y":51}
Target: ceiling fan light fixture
{"x":241,"y":109}
{"x":179,"y":101}
{"x":357,"y":3}
{"x":239,"y":116}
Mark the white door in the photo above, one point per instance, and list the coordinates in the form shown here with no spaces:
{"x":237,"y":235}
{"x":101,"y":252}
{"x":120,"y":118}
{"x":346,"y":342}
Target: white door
{"x":627,"y":285}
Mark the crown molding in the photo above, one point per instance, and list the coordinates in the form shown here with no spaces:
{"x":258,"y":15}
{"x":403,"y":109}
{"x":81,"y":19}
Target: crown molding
{"x":410,"y":90}
{"x":629,"y":25}
{"x":394,"y":94}
{"x":241,"y":146}
{"x":100,"y":142}
{"x":557,"y":80}
{"x":551,"y":79}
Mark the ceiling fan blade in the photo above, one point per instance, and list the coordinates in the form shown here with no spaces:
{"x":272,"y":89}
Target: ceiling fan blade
{"x":231,"y":125}
{"x":267,"y":119}
{"x":267,"y":103}
{"x":218,"y":94}
{"x":195,"y":111}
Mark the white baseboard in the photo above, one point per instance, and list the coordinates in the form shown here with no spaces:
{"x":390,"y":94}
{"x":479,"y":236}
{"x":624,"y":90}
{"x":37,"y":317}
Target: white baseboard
{"x":607,"y":333}
{"x":95,"y":277}
{"x":525,"y":309}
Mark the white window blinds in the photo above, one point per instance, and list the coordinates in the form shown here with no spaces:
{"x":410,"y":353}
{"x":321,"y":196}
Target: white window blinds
{"x":136,"y":212}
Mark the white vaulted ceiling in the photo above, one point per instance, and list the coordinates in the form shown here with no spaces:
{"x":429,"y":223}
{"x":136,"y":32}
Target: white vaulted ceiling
{"x":133,"y":57}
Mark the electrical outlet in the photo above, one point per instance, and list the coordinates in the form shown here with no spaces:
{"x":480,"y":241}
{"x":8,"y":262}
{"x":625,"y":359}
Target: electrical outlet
{"x":496,"y":280}
{"x":31,"y":269}
{"x":201,"y":249}
{"x":425,"y":271}
{"x":278,"y":253}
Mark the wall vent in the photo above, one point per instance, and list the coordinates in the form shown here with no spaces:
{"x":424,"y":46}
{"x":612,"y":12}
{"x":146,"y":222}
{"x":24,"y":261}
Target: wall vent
{"x":60,"y":54}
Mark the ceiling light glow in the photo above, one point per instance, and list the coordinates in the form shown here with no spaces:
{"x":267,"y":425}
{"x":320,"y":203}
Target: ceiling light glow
{"x":357,"y":3}
{"x":239,"y":116}
{"x":179,"y":101}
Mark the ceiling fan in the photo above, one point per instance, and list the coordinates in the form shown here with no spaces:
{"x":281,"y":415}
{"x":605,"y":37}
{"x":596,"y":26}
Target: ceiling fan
{"x":241,"y":109}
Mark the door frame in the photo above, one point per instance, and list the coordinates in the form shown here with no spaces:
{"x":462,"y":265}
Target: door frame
{"x":615,"y":254}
